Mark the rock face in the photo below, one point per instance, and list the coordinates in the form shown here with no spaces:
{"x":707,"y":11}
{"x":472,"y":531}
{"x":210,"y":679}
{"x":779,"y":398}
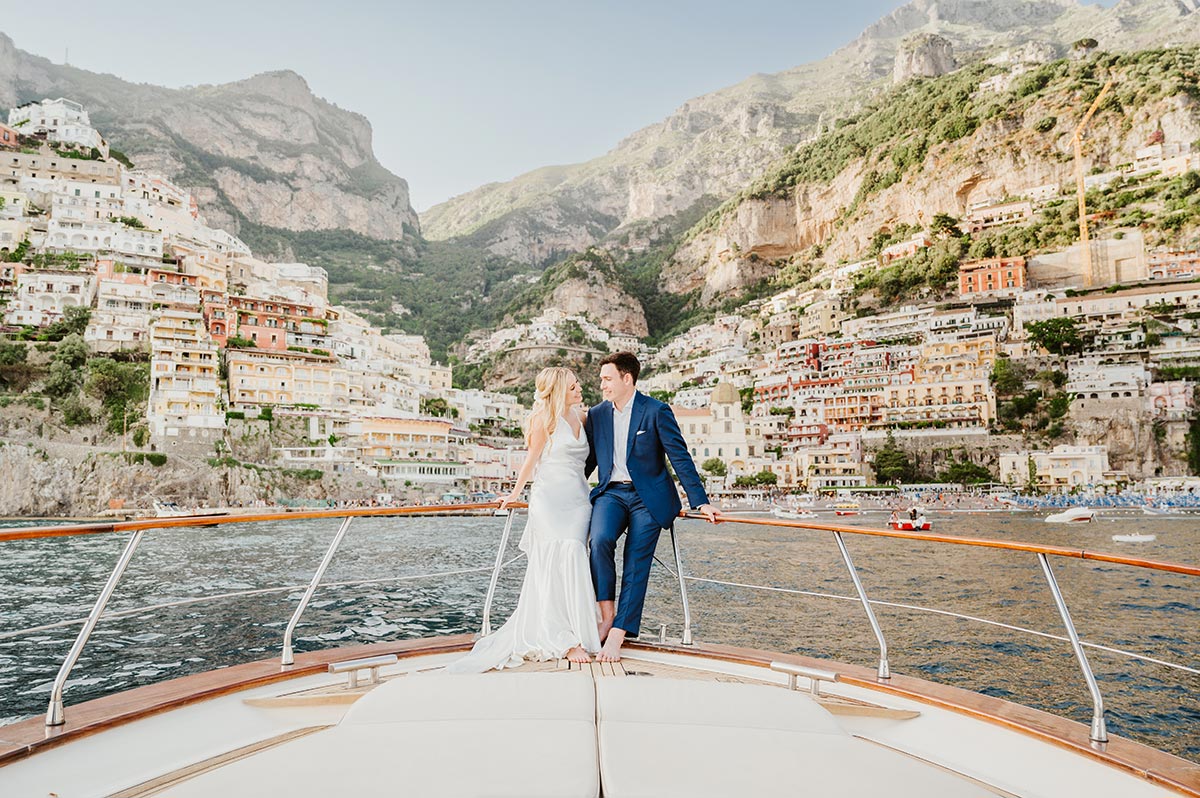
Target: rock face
{"x":925,"y":55}
{"x":603,"y":302}
{"x":263,"y":148}
{"x":1002,"y":158}
{"x":717,"y":143}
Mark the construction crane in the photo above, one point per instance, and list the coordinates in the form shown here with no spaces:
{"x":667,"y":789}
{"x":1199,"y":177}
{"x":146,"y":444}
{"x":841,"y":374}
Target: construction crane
{"x":1077,"y":140}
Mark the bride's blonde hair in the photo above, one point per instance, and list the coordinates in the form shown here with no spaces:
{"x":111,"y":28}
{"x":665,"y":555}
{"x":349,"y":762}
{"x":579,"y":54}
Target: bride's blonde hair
{"x":550,"y":400}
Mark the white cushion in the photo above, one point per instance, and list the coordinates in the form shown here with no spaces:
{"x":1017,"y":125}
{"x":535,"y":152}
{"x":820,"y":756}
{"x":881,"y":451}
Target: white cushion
{"x":432,"y":735}
{"x":486,"y":696}
{"x":691,"y":738}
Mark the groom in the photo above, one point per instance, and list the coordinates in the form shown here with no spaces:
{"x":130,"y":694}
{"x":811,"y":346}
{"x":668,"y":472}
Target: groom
{"x":628,"y":435}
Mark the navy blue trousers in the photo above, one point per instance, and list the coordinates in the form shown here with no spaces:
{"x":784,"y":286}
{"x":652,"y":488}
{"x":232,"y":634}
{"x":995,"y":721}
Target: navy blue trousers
{"x":615,"y":512}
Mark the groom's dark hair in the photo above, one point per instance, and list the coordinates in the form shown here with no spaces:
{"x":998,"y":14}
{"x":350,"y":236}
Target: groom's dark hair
{"x":625,"y":362}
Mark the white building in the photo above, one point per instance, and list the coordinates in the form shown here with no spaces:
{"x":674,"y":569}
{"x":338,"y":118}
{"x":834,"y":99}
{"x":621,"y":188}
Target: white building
{"x":41,"y":296}
{"x":62,"y":120}
{"x":1092,"y":379}
{"x":121,"y":319}
{"x":1061,"y":470}
{"x":108,"y":239}
{"x":185,"y":399}
{"x":837,"y":463}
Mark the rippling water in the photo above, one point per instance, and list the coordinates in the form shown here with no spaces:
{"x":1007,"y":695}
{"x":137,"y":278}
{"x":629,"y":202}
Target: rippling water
{"x":1149,"y":613}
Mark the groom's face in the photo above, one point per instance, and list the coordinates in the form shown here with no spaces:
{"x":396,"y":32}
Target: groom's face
{"x":615,"y":386}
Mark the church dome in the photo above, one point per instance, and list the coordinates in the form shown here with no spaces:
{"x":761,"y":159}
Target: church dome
{"x":725,"y":394}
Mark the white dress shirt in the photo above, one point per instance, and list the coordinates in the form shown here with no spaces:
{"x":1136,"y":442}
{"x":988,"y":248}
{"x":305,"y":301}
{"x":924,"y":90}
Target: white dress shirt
{"x":621,"y":418}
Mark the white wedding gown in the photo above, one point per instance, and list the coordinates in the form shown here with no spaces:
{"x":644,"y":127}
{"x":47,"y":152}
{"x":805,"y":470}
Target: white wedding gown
{"x":556,"y":610}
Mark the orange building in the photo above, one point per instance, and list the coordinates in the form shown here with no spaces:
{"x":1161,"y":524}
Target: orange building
{"x":991,"y":274}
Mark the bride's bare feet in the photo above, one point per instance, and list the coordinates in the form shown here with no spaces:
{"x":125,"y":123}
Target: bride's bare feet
{"x":611,"y":652}
{"x":577,"y":654}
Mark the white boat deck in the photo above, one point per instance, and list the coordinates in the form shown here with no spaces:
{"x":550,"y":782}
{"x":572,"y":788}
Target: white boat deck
{"x":655,"y":725}
{"x":575,"y":733}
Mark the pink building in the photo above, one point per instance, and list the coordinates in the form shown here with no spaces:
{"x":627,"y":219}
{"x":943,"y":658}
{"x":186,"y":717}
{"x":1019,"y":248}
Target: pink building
{"x":1173,"y":265}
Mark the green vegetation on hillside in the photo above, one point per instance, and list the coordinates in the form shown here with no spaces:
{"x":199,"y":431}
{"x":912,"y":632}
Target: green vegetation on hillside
{"x":896,"y":133}
{"x":439,"y":289}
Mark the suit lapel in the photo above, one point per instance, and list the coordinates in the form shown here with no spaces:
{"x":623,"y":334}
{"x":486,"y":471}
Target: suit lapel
{"x":635,"y":420}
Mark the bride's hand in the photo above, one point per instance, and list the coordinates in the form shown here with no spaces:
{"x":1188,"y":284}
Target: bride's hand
{"x":509,"y":499}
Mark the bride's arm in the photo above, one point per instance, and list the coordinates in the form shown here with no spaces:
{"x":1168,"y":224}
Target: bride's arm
{"x":537,"y":442}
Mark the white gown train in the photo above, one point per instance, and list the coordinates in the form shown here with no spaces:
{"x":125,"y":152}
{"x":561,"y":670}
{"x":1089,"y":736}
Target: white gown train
{"x":557,"y":609}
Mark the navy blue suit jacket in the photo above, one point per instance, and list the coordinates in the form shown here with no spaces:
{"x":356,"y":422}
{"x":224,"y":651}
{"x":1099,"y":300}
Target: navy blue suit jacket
{"x":653,"y":435}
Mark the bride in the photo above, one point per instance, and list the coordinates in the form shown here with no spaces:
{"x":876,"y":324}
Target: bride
{"x":556,"y":613}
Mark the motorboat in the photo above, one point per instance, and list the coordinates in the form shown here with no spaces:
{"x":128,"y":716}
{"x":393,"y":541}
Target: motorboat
{"x":846,"y":508}
{"x":164,"y":509}
{"x":1135,"y":537}
{"x":792,"y":515}
{"x":384,"y":718}
{"x":918,"y":524}
{"x":1073,"y":515}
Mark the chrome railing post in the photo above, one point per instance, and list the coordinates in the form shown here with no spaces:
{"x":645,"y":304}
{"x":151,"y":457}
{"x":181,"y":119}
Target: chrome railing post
{"x":1099,"y":732}
{"x":55,"y":714}
{"x":683,"y":596}
{"x":289,"y":656}
{"x":885,"y":671}
{"x":491,"y":591}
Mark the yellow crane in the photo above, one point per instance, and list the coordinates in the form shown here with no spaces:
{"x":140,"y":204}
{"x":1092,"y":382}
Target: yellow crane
{"x":1077,"y":141}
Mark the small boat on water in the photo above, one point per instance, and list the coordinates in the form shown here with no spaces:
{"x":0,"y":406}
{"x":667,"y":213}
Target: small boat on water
{"x":911,"y":520}
{"x":792,"y":515}
{"x":846,"y":508}
{"x":1073,"y":515}
{"x":1164,"y":512}
{"x":174,"y":510}
{"x":921,"y":524}
{"x":1134,"y":537}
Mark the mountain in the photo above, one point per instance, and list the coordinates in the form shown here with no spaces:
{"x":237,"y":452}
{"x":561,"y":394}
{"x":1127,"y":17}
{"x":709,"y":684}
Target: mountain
{"x":714,"y":145}
{"x":262,"y":150}
{"x":944,"y":146}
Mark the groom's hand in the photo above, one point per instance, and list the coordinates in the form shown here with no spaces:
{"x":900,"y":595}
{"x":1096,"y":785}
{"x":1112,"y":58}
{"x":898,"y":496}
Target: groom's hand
{"x":709,"y":512}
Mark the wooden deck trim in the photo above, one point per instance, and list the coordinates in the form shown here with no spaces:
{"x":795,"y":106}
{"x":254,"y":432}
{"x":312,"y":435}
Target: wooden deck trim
{"x":67,"y":530}
{"x":32,"y":736}
{"x":1157,"y":767}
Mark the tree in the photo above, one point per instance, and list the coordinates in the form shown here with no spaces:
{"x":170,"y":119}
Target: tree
{"x":747,"y":397}
{"x":892,"y":464}
{"x":965,"y":472}
{"x":1085,"y":45}
{"x":62,"y":380}
{"x":1008,"y":377}
{"x":715,"y":467}
{"x":75,"y":413}
{"x":435,"y":406}
{"x":74,"y":322}
{"x":766,"y":477}
{"x":1059,"y":336}
{"x":73,"y":351}
{"x":943,"y":224}
{"x":12,"y":353}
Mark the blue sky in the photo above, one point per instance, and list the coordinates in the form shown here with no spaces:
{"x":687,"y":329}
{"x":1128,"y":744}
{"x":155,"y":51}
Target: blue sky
{"x":458,"y":93}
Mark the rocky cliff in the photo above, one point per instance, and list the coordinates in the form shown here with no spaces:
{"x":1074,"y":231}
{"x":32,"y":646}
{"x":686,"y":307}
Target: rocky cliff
{"x":717,"y":143}
{"x":1017,"y":140}
{"x":264,"y":149}
{"x":925,"y":55}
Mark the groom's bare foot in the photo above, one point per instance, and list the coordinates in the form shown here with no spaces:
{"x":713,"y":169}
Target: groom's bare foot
{"x":577,"y":654}
{"x":603,"y":627}
{"x":611,"y":652}
{"x":608,"y":611}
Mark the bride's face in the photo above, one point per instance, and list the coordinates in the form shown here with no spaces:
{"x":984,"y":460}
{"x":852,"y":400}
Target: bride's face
{"x":574,"y":393}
